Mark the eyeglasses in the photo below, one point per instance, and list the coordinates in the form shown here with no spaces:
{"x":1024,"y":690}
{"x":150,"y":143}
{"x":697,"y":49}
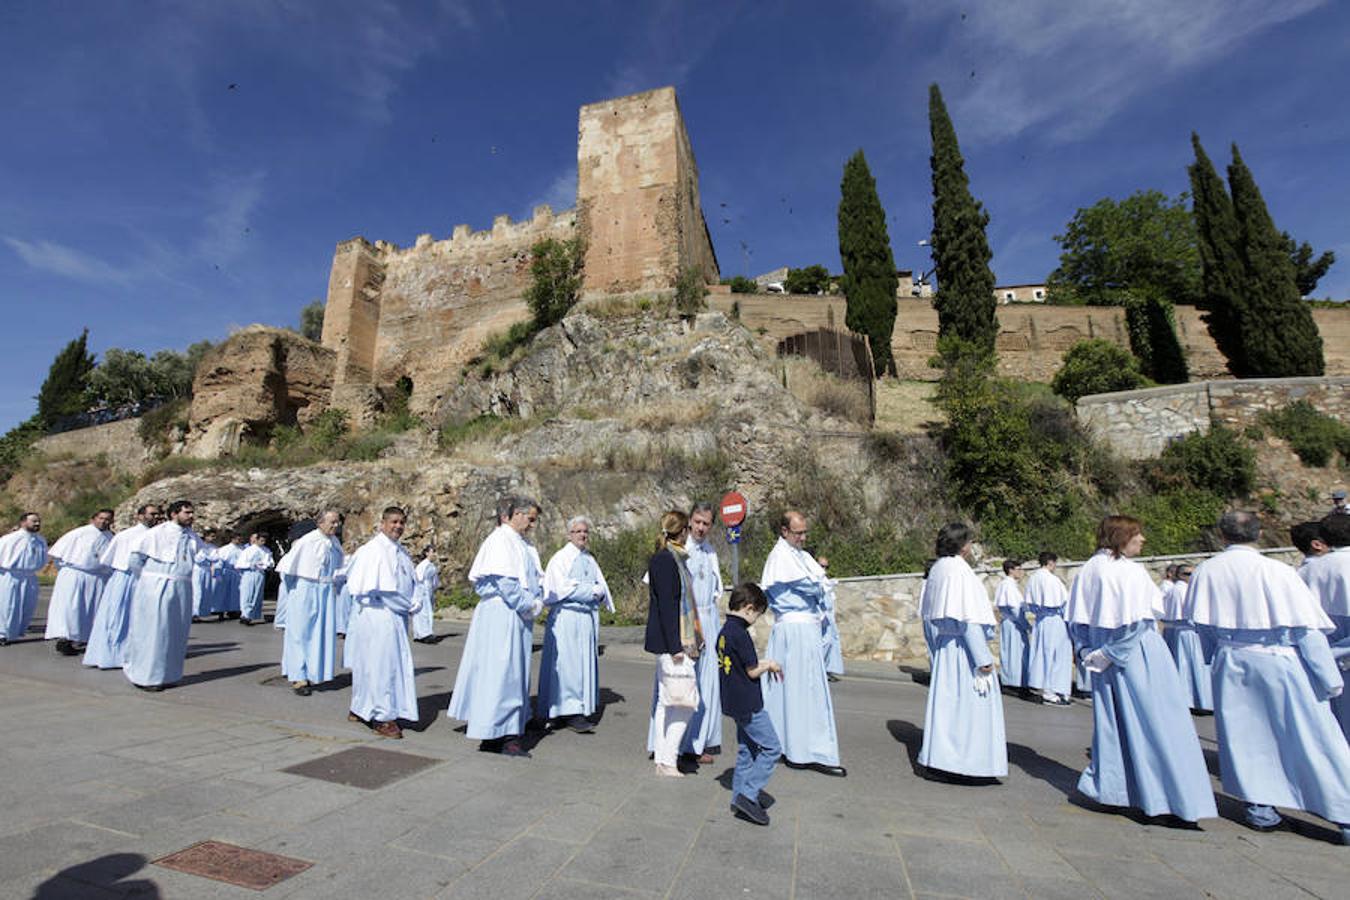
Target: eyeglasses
{"x":797,"y":533}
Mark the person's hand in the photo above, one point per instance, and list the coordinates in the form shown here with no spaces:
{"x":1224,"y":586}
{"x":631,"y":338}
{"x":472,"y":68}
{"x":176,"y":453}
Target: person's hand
{"x":772,"y":666}
{"x":985,"y":670}
{"x":677,"y":658}
{"x":691,"y":651}
{"x":1097,"y":661}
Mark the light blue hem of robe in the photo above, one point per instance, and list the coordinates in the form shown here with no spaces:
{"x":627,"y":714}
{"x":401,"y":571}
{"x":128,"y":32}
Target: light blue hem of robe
{"x":963,"y":732}
{"x":569,"y":669}
{"x":251,"y":594}
{"x":383,"y":683}
{"x":73,"y":604}
{"x":424,"y":620}
{"x":1050,"y":663}
{"x":309,"y":648}
{"x":492,"y":686}
{"x":1145,"y":753}
{"x":344,"y":608}
{"x":1279,"y":743}
{"x":203,"y":590}
{"x":834,"y":654}
{"x":229,"y":589}
{"x":161,"y":616}
{"x":112,"y":623}
{"x":799,"y":704}
{"x":279,"y":614}
{"x":1014,"y":651}
{"x":1193,"y":655}
{"x":18,"y":602}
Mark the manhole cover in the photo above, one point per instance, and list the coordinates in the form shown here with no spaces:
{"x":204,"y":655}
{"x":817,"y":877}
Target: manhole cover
{"x":363,"y":767}
{"x":234,"y":865}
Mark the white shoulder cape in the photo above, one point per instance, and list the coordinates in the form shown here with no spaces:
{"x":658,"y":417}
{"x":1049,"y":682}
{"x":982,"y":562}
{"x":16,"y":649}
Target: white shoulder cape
{"x":1328,"y":576}
{"x":1045,"y":589}
{"x":952,"y":590}
{"x":1111,"y":592}
{"x":558,"y":584}
{"x":1241,"y":589}
{"x":117,"y":555}
{"x":787,"y":564}
{"x":161,"y":542}
{"x":308,"y":554}
{"x":503,"y":553}
{"x":380,"y":567}
{"x":15,"y":545}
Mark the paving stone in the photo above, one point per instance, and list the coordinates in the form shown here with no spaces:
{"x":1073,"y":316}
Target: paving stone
{"x":519,"y":868}
{"x":1117,"y":876}
{"x":299,"y":803}
{"x":363,"y":767}
{"x":54,"y":847}
{"x":939,"y":865}
{"x":475,"y":828}
{"x":633,"y":853}
{"x":375,"y":872}
{"x":699,"y":881}
{"x":826,"y":873}
{"x":572,"y":889}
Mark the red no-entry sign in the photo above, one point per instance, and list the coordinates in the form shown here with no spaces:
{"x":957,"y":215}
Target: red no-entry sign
{"x":733,"y":508}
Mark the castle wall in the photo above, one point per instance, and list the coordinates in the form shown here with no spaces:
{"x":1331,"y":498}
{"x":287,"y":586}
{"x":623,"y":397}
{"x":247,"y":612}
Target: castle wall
{"x":119,"y":442}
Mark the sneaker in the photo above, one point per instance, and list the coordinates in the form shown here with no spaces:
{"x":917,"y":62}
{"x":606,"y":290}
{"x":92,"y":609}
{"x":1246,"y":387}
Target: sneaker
{"x":749,"y":810}
{"x":765,"y":799}
{"x":1058,"y":701}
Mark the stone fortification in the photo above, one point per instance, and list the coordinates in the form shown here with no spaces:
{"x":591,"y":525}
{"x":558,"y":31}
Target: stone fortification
{"x":1139,"y":424}
{"x":420,"y":312}
{"x":118,"y":442}
{"x":1032,"y":338}
{"x":256,"y":379}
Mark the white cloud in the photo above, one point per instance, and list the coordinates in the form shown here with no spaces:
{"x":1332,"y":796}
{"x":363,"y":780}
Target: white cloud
{"x":230,"y":204}
{"x":1065,"y":68}
{"x":561,"y":192}
{"x":68,"y":262}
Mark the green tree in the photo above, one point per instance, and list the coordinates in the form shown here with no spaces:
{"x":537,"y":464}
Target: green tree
{"x":1307,"y":271}
{"x":965,"y":296}
{"x":1223,"y":276}
{"x":810,"y":280}
{"x":311,"y":320}
{"x":869,"y":282}
{"x":123,"y":376}
{"x":1096,"y":367}
{"x":690,"y":291}
{"x":556,"y":285}
{"x":1279,"y":336}
{"x":65,"y":392}
{"x":1153,"y":337}
{"x":742,"y":285}
{"x":1144,"y":242}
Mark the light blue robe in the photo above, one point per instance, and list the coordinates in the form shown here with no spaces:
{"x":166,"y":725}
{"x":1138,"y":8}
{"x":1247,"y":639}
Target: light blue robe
{"x":963,"y":732}
{"x":1193,"y":654}
{"x":1145,"y":753}
{"x":203,"y":583}
{"x":343,"y":615}
{"x":705,"y":726}
{"x":161,"y":616}
{"x":1340,"y":648}
{"x":1279,"y":743}
{"x":112,"y":623}
{"x":1050,"y":664}
{"x":569,"y":668}
{"x":377,"y":651}
{"x":19,"y":590}
{"x":799,"y":704}
{"x":309,"y":650}
{"x":74,"y":603}
{"x":834,"y":654}
{"x":283,"y":595}
{"x":492,"y":686}
{"x":251,"y":594}
{"x":229,"y":577}
{"x":1014,"y":650}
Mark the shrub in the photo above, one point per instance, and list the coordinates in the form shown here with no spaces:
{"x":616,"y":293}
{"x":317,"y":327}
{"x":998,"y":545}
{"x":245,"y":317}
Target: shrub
{"x":690,"y":291}
{"x":742,"y":285}
{"x":154,"y":427}
{"x":1219,"y":462}
{"x":327,"y":429}
{"x":555,"y":285}
{"x":1176,"y":521}
{"x":810,"y":280}
{"x":1311,"y":434}
{"x":1096,"y":367}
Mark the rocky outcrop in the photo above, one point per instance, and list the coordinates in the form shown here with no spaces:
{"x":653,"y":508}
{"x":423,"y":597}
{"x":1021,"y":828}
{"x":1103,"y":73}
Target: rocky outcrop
{"x":256,"y":379}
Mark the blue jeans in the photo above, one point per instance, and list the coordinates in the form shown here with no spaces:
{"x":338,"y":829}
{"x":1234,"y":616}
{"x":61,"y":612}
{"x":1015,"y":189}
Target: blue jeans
{"x":756,"y":756}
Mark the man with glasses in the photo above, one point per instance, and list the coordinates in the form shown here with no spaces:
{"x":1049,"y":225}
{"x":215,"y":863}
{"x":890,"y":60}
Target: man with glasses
{"x":799,"y":704}
{"x":569,"y":669}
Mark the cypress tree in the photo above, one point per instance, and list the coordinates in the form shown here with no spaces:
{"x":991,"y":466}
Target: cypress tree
{"x":869,"y":281}
{"x":965,"y":296}
{"x":65,"y":392}
{"x":1223,"y":275}
{"x":1279,"y":336}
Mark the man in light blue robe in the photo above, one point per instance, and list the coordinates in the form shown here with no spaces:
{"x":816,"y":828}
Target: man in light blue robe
{"x":799,"y":704}
{"x":229,"y":576}
{"x":23,"y":552}
{"x":569,"y":669}
{"x":252,"y":564}
{"x":1279,"y":743}
{"x":112,"y":622}
{"x":1145,"y":753}
{"x":703,"y":736}
{"x":380,"y":577}
{"x":309,"y":647}
{"x":1014,"y":630}
{"x":963,"y":728}
{"x":1192,"y":650}
{"x":1050,"y":666}
{"x":1328,"y":576}
{"x":428,"y":579}
{"x":492,"y":686}
{"x":203,"y":577}
{"x":161,"y":602}
{"x":79,"y":583}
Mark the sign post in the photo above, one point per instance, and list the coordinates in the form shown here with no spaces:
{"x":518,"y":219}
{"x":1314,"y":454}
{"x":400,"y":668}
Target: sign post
{"x":733,"y":509}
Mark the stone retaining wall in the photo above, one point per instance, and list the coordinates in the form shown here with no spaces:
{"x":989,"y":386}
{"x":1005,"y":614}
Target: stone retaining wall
{"x":120,"y":442}
{"x":1139,"y":424}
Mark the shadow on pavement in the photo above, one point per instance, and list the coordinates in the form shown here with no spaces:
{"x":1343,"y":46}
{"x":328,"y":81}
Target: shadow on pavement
{"x":214,"y":674}
{"x":912,"y":737}
{"x":430,"y":708}
{"x":104,"y":872}
{"x":920,"y":676}
{"x":1043,"y":768}
{"x":208,"y":649}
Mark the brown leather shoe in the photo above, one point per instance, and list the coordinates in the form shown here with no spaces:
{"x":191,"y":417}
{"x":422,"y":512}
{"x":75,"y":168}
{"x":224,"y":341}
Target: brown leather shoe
{"x":389,"y":730}
{"x":706,"y":759}
{"x":353,"y":717}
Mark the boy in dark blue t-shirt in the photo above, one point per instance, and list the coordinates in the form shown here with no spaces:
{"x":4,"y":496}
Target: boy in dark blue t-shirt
{"x":740,"y":668}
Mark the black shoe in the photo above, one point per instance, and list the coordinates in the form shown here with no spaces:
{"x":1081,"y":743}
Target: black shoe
{"x":153,"y":688}
{"x":765,"y":799}
{"x":491,"y":745}
{"x":833,"y":771}
{"x":4,"y":642}
{"x":581,"y":725}
{"x":248,"y":622}
{"x":831,"y":677}
{"x":66,"y":647}
{"x":220,"y":617}
{"x":749,"y":810}
{"x":1058,"y":701}
{"x":513,"y":747}
{"x":303,"y":690}
{"x":196,"y":620}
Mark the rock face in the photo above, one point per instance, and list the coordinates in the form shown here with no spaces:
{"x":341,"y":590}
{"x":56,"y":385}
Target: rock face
{"x":257,"y":379}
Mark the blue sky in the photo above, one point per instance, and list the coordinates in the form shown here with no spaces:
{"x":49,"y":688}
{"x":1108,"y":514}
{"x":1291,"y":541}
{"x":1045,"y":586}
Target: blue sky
{"x":144,"y":197}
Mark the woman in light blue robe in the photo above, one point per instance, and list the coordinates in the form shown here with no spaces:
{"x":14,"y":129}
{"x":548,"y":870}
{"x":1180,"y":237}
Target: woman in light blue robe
{"x":1192,"y":651}
{"x":1050,"y":664}
{"x":492,"y":687}
{"x":1145,"y":753}
{"x":963,"y":729}
{"x":799,"y":704}
{"x":569,"y":668}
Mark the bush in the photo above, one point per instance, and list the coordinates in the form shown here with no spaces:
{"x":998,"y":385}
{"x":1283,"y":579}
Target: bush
{"x":742,"y":285}
{"x":1096,"y":367}
{"x":1176,"y":521}
{"x":154,"y":427}
{"x":555,"y":271}
{"x":810,"y":280}
{"x":327,"y":429}
{"x":1311,"y":434}
{"x":690,"y":292}
{"x":1219,"y":462}
{"x":623,"y":558}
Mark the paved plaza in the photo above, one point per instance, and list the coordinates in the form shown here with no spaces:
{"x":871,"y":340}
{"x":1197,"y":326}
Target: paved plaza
{"x":100,"y":780}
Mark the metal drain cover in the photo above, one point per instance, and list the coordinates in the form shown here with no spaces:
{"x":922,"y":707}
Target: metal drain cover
{"x":363,"y":767}
{"x":239,"y":866}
